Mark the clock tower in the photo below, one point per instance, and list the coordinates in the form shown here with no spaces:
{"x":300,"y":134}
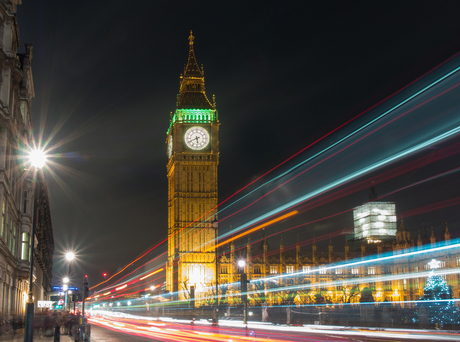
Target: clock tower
{"x":193,"y":155}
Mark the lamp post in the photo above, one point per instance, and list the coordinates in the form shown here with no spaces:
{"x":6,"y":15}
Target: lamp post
{"x":244,"y":290}
{"x":69,"y":256}
{"x":215,"y":319}
{"x":37,"y":159}
{"x":65,"y":287}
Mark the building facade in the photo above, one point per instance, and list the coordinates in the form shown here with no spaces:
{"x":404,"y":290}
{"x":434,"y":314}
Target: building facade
{"x":17,"y":183}
{"x":307,"y":276}
{"x":193,"y":157}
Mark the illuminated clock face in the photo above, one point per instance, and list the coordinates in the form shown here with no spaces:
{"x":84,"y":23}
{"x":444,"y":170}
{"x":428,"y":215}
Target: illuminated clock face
{"x":197,"y":138}
{"x":170,"y":146}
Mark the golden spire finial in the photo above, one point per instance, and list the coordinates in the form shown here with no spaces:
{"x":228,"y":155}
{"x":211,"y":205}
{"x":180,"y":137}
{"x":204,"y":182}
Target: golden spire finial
{"x":191,"y":38}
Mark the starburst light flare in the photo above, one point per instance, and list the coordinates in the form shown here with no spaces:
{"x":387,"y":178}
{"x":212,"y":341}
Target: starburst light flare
{"x":37,"y":158}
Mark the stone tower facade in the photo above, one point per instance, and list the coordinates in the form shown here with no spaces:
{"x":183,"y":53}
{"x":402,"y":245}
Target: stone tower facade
{"x":193,"y":156}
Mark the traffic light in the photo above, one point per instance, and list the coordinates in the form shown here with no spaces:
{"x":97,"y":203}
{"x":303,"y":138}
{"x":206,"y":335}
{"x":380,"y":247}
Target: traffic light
{"x":244,"y":287}
{"x":86,"y":293}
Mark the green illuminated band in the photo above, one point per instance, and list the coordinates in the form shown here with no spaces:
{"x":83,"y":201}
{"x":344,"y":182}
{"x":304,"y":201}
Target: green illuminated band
{"x":192,"y":116}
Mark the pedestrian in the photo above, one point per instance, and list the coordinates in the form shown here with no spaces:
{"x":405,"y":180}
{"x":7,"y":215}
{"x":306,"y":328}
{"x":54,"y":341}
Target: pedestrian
{"x":48,"y":324}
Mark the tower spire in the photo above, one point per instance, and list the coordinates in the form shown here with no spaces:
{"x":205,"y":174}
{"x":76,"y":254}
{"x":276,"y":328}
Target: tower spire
{"x":192,"y":69}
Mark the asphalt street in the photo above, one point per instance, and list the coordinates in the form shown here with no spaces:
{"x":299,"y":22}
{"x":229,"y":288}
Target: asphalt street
{"x":100,"y":334}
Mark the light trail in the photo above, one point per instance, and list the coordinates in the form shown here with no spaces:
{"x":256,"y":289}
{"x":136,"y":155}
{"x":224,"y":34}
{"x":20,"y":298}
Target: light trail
{"x":354,"y":132}
{"x":452,"y":244}
{"x":329,"y":235}
{"x":151,"y":249}
{"x":276,"y":211}
{"x":263,"y":225}
{"x":349,"y":135}
{"x":168,"y":329}
{"x":336,"y":143}
{"x":151,"y":274}
{"x":338,"y":184}
{"x":385,"y":161}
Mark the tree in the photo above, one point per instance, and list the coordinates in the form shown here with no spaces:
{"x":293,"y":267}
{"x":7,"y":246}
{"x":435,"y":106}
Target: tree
{"x":439,"y":309}
{"x":366,"y":296}
{"x":349,"y":294}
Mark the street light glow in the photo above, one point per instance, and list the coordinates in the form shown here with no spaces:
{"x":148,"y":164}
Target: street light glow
{"x":65,"y":280}
{"x":70,"y":256}
{"x":37,"y":158}
{"x":241,"y":263}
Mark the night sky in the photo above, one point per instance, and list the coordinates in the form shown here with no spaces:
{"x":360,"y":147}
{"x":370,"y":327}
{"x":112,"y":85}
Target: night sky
{"x":107,"y":73}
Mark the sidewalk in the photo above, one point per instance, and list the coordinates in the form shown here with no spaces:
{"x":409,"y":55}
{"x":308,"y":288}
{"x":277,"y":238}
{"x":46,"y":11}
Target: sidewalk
{"x":20,"y":338}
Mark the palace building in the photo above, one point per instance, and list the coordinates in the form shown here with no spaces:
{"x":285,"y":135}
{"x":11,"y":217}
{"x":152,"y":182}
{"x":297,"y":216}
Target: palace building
{"x":193,"y":156}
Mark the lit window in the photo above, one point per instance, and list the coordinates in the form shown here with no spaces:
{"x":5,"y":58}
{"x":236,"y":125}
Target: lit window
{"x":417,"y":283}
{"x":415,"y":268}
{"x":306,"y":269}
{"x":442,"y":264}
{"x":322,"y":270}
{"x":273,"y":270}
{"x":371,"y":270}
{"x":224,"y":270}
{"x":404,"y":284}
{"x":289,"y":269}
{"x":338,"y":271}
{"x":458,"y":261}
{"x":355,"y":271}
{"x":25,"y":246}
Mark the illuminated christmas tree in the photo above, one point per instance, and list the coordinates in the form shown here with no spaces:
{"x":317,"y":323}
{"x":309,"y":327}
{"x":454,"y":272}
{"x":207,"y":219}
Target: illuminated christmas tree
{"x":440,"y":309}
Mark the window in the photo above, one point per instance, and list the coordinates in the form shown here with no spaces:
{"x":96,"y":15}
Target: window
{"x":355,"y":271}
{"x":388,"y":286}
{"x":442,"y":264}
{"x":417,"y":283}
{"x":404,"y":284}
{"x":26,"y":201}
{"x":458,"y":261}
{"x":322,"y":270}
{"x":25,"y":246}
{"x":289,"y":269}
{"x":224,"y":270}
{"x":14,"y":242}
{"x":10,"y":235}
{"x":273,"y":269}
{"x":3,"y":219}
{"x":415,"y":268}
{"x":371,"y":270}
{"x":338,"y":271}
{"x":306,"y":269}
{"x":257,"y":270}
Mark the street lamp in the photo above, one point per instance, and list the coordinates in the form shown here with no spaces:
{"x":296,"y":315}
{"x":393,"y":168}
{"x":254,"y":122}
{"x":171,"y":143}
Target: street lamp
{"x":37,"y":158}
{"x":70,"y":256}
{"x":244,"y":289}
